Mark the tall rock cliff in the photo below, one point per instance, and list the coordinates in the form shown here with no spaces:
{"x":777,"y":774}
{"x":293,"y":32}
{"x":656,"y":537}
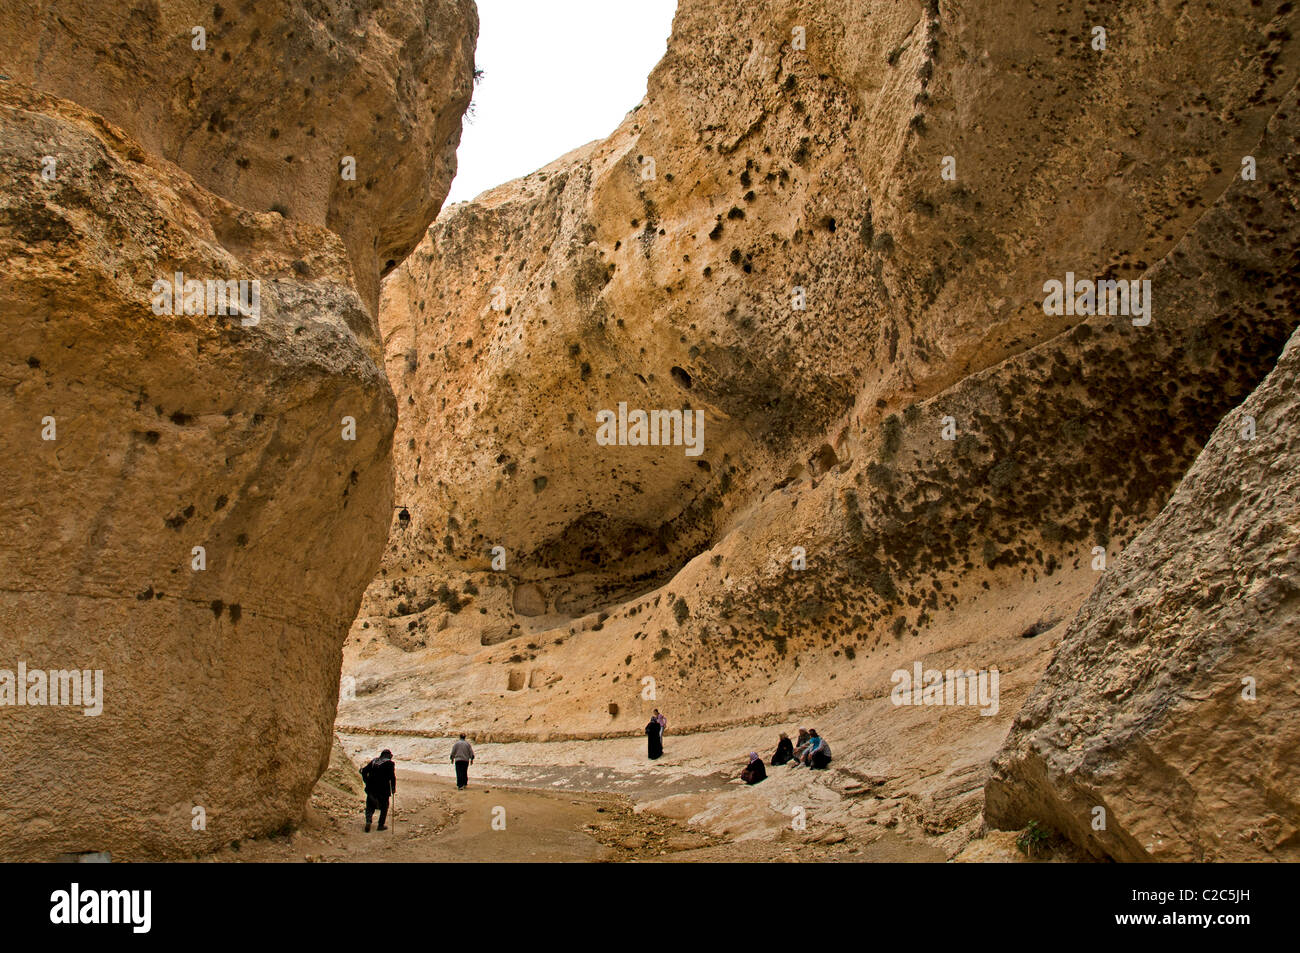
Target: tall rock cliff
{"x":828,"y":229}
{"x":1168,"y":723}
{"x":196,"y":497}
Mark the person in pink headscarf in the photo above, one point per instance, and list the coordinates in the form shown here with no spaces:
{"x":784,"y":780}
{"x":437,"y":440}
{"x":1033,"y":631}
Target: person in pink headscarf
{"x":754,"y":771}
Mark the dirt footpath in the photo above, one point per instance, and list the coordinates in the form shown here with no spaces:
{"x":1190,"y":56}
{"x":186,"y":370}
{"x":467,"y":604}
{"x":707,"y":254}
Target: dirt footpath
{"x":436,"y":823}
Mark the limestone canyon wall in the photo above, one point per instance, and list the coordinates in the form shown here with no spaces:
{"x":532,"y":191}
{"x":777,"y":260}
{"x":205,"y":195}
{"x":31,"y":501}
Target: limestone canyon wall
{"x":1171,"y":704}
{"x":279,"y":94}
{"x":185,"y":507}
{"x":800,"y":148}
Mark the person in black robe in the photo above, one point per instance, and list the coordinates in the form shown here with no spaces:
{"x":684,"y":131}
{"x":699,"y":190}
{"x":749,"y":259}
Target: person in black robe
{"x":380,"y":778}
{"x":755,"y":771}
{"x":654,"y":739}
{"x":784,"y":750}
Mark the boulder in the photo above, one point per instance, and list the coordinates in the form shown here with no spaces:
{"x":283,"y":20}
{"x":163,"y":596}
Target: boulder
{"x":1167,"y":724}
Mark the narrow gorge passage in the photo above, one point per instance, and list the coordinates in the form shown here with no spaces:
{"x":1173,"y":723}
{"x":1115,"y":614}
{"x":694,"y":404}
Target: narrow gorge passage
{"x":692,"y":432}
{"x":938,"y":399}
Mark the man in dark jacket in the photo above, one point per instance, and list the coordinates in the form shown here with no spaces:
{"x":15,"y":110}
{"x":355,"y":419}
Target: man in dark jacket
{"x":380,"y":776}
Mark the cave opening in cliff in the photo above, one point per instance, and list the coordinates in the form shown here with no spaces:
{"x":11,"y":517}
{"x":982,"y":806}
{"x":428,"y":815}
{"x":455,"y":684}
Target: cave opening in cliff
{"x":551,"y":78}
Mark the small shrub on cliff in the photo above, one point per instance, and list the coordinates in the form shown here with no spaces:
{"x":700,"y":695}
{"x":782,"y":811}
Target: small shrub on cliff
{"x":883,"y":585}
{"x":881,"y":476}
{"x":449,"y":599}
{"x":1032,"y":841}
{"x":891,"y":432}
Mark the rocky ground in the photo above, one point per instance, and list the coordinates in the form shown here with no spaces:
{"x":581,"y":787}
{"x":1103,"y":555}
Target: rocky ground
{"x":915,"y":773}
{"x":589,"y":813}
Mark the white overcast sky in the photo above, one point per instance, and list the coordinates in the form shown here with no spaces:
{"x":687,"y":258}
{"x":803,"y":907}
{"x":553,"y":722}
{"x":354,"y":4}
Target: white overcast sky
{"x":558,"y":74}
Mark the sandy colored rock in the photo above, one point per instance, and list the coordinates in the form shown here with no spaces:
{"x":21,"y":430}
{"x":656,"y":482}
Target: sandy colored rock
{"x":195,"y":501}
{"x":1171,"y":701}
{"x":280,"y":93}
{"x":599,"y":280}
{"x":171,"y":432}
{"x":342,"y":777}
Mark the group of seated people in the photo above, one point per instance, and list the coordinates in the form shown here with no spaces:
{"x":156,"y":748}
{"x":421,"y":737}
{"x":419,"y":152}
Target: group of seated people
{"x":811,"y":749}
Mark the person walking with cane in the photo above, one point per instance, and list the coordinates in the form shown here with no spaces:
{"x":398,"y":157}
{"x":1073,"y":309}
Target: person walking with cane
{"x":380,"y":777}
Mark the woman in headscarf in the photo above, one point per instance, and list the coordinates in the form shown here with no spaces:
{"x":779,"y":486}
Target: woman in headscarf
{"x":784,"y":750}
{"x":801,"y":748}
{"x":654,"y":739}
{"x":755,"y":771}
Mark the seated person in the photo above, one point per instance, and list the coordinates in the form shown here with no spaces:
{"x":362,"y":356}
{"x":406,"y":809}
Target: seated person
{"x":819,"y":753}
{"x":784,"y":750}
{"x":801,"y":748}
{"x":755,"y":771}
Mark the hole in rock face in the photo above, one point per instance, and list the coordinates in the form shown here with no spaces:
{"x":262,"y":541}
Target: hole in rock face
{"x":529,"y":600}
{"x":681,"y":377}
{"x":823,"y":459}
{"x":1039,"y":627}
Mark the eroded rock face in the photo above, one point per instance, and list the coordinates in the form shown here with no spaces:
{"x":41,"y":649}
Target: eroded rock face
{"x":1171,"y":702}
{"x":194,"y":502}
{"x":601,"y":280}
{"x":279,"y":94}
{"x":169,"y":432}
